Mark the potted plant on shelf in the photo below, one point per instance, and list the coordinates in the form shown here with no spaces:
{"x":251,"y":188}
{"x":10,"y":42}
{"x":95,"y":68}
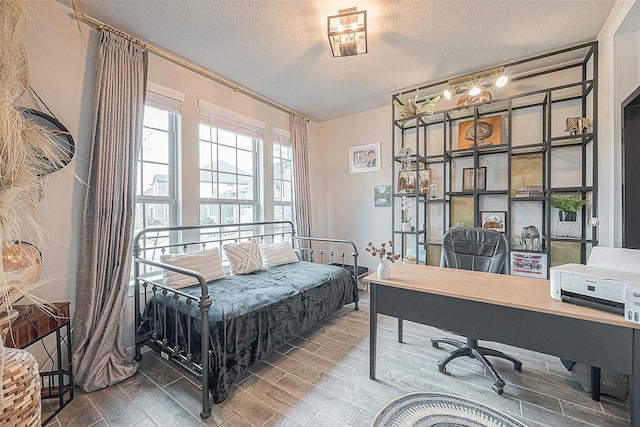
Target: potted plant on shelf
{"x":567,"y":205}
{"x":406,"y":224}
{"x":409,"y":108}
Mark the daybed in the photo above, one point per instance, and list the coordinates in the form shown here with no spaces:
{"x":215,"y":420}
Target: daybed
{"x":245,"y":314}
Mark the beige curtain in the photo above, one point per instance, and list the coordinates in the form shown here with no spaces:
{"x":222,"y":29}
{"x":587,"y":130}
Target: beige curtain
{"x":302,"y":196}
{"x":99,"y":356}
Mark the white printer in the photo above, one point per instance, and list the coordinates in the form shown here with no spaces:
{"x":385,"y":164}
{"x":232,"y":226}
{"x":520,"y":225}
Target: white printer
{"x":610,"y":281}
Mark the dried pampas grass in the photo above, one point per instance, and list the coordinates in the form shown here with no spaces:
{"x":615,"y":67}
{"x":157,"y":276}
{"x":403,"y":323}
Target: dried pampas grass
{"x":26,"y":149}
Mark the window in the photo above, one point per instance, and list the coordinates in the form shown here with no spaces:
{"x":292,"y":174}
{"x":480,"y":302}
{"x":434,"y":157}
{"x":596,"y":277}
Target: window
{"x":229,"y":147}
{"x":155,"y":185}
{"x":282,"y":177}
{"x":156,"y":181}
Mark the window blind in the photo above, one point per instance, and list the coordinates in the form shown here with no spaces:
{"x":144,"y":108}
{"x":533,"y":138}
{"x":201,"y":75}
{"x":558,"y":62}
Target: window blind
{"x":164,"y":98}
{"x":213,"y":115}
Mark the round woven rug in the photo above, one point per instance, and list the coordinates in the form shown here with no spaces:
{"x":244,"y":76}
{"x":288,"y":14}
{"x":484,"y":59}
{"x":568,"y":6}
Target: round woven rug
{"x":440,"y":410}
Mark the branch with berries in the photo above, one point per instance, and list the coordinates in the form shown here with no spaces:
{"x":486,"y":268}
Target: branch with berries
{"x":384,"y":252}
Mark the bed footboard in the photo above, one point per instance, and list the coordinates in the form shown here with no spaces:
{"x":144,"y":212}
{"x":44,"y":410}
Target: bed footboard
{"x":339,"y":252}
{"x":173,"y":336}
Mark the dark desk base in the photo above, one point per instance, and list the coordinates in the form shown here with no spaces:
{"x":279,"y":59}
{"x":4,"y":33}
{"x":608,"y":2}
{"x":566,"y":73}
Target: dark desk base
{"x":597,"y":344}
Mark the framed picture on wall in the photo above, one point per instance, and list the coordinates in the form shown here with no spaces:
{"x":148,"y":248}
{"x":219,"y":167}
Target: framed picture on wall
{"x":364,"y":158}
{"x":529,"y":264}
{"x":467,"y":178}
{"x":493,"y":220}
{"x":382,"y":196}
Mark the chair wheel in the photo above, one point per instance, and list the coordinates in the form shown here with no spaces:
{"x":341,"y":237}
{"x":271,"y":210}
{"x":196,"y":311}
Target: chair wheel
{"x":497,"y":389}
{"x":518,"y":367}
{"x":434,"y":344}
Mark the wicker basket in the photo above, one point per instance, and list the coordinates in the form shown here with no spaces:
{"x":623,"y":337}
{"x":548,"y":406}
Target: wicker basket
{"x":20,"y":389}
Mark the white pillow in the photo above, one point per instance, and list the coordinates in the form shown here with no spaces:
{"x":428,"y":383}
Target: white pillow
{"x":207,"y":262}
{"x":244,"y":257}
{"x":277,"y":254}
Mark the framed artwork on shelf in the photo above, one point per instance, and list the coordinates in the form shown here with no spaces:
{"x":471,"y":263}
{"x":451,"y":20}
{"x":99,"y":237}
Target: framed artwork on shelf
{"x":364,"y":158}
{"x":486,"y":132}
{"x":407,"y":181}
{"x":526,"y":174}
{"x":462,"y":208}
{"x":493,"y":220}
{"x":529,"y":264}
{"x":467,"y":178}
{"x":382,"y":196}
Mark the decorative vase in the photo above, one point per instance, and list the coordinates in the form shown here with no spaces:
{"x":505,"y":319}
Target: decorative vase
{"x":406,"y":226}
{"x":566,"y":216}
{"x":568,"y":225}
{"x":384,"y":271}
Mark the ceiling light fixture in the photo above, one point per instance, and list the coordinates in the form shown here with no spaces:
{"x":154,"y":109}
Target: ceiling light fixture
{"x":347,"y":32}
{"x":474,"y":83}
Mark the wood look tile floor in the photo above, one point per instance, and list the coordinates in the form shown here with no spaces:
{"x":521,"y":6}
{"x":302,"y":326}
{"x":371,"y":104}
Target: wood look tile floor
{"x":321,"y":378}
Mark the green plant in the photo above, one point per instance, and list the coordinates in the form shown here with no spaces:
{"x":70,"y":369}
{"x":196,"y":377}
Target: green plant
{"x":408,"y":107}
{"x":567,"y":202}
{"x":407,"y":220}
{"x":405,"y":158}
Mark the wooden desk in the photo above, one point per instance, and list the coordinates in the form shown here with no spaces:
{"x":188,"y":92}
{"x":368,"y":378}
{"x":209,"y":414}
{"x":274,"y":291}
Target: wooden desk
{"x":509,"y":309}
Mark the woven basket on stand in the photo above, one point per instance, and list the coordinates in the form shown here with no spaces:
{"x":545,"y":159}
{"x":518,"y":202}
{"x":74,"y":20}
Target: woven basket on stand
{"x":20,"y":393}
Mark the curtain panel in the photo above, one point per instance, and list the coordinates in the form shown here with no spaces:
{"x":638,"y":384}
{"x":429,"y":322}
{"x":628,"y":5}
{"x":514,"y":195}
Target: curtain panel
{"x":302,"y":192}
{"x":99,"y":356}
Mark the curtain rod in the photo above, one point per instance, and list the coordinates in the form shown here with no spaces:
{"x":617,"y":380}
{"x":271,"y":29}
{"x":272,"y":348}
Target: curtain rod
{"x":189,"y":65}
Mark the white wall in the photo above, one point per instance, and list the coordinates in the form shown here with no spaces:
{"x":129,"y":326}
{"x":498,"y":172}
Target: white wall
{"x":342,"y":203}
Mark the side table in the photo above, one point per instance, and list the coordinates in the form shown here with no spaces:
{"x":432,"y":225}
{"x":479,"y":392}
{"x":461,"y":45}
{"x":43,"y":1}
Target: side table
{"x":34,"y":324}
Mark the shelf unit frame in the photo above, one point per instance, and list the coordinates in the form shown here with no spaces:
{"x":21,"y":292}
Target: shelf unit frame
{"x":544,"y":99}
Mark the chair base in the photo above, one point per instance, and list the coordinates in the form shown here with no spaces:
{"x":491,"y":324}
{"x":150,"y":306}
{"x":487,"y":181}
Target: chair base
{"x":472,"y":350}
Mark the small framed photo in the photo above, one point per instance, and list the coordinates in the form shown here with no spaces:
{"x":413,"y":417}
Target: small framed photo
{"x":364,"y":158}
{"x":481,"y":178}
{"x":493,"y":220}
{"x":407,"y":181}
{"x":529,"y":264}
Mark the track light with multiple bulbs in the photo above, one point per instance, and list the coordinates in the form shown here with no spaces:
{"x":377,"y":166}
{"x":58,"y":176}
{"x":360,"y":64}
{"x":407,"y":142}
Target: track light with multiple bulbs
{"x":475,"y":83}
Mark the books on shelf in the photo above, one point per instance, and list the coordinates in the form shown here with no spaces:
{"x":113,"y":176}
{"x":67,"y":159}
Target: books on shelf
{"x":529,"y":191}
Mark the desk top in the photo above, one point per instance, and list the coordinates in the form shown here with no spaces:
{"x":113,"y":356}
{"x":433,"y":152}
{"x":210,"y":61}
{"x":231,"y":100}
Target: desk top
{"x":500,"y":289}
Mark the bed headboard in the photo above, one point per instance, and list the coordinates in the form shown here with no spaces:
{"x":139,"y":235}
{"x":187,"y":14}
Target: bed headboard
{"x":151,"y":243}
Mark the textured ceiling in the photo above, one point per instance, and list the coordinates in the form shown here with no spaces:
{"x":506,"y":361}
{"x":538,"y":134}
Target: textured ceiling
{"x":279,"y":48}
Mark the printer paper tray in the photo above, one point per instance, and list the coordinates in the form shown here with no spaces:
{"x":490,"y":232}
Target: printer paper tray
{"x":587,"y":301}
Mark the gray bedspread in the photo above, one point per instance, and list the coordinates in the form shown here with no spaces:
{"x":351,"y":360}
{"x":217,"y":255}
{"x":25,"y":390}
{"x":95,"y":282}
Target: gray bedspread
{"x":252,"y":314}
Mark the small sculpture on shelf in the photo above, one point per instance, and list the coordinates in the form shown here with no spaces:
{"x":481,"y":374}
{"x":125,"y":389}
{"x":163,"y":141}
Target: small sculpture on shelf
{"x":530,"y":238}
{"x":576,"y":125}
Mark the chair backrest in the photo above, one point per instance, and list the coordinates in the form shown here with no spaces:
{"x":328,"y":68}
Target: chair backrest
{"x":474,"y":249}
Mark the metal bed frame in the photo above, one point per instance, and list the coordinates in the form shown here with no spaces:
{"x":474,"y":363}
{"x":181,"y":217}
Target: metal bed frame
{"x":148,"y":278}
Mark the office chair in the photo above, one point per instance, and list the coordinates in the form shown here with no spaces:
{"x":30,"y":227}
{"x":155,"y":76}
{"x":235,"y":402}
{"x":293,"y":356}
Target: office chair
{"x":483,"y":250}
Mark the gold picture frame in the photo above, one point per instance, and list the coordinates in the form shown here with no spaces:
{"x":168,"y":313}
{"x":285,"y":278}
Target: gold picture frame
{"x":488,"y":130}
